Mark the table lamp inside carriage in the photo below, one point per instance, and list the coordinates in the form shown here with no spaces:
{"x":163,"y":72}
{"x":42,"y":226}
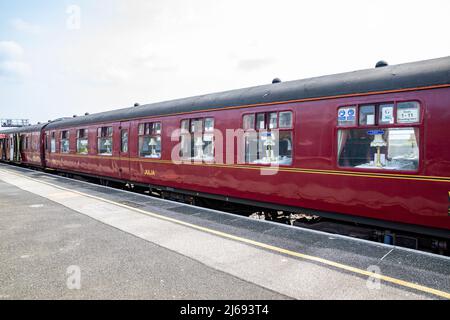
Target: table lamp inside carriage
{"x":378,"y":142}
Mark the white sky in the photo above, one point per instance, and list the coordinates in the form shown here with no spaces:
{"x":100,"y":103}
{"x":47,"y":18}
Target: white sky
{"x":148,"y":51}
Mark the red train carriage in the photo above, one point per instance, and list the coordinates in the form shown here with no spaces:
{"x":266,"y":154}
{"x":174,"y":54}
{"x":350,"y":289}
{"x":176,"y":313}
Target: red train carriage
{"x":23,"y":145}
{"x":369,"y":146}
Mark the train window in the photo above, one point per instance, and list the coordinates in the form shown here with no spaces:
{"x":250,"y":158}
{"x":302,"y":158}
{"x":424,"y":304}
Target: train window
{"x":82,"y":141}
{"x":196,"y":125}
{"x":272,"y":146}
{"x":347,"y":116}
{"x":198,"y":143}
{"x":273,"y":120}
{"x":185,"y":126}
{"x":26,"y":142}
{"x":367,"y":115}
{"x":386,"y":113}
{"x":408,"y":112}
{"x":124,"y":141}
{"x":65,"y":144}
{"x":209,"y":124}
{"x":249,"y":121}
{"x":53,"y":143}
{"x":260,"y":121}
{"x":105,"y":141}
{"x":388,"y":149}
{"x":150,"y":140}
{"x":286,"y":119}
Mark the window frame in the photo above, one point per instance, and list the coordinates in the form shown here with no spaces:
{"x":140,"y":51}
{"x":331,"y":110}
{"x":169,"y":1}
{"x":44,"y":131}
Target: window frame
{"x":101,"y":136}
{"x":267,"y":125}
{"x":61,"y":140}
{"x":85,"y":137}
{"x":127,"y":130}
{"x":150,"y":134}
{"x":420,"y":125}
{"x":203,"y":132}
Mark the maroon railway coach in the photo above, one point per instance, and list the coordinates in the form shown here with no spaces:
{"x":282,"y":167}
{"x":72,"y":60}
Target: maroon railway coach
{"x":370,"y":146}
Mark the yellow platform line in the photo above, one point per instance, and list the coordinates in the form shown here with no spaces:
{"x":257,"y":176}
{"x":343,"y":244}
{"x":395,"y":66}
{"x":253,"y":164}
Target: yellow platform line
{"x":287,"y":252}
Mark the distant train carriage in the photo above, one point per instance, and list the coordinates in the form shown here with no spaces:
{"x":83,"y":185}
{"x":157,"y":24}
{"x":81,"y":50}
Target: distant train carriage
{"x":369,"y":146}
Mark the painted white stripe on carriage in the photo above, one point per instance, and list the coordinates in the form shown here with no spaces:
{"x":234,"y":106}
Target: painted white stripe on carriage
{"x":287,"y":275}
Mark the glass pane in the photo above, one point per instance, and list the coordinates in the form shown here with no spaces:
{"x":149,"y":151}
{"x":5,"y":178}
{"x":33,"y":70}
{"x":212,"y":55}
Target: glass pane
{"x":286,"y":119}
{"x":197,"y":146}
{"x":285,"y":148}
{"x":141,"y":129}
{"x":387,"y":113}
{"x":185,"y":125}
{"x":65,"y":146}
{"x":197,"y":125}
{"x":208,"y":148}
{"x":150,"y":146}
{"x":347,"y":116}
{"x":249,"y":121}
{"x":109,"y":131}
{"x":124,"y":141}
{"x":367,"y":115}
{"x":185,"y":151}
{"x":53,"y":145}
{"x":260,"y":121}
{"x":251,"y":147}
{"x":388,"y":149}
{"x":105,"y":146}
{"x":408,"y":112}
{"x":82,"y":146}
{"x":273,"y":120}
{"x":157,"y":128}
{"x":209,"y":124}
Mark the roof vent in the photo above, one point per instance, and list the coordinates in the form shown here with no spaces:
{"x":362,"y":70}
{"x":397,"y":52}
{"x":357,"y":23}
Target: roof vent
{"x":276,"y":80}
{"x":381,"y":64}
{"x":74,"y":116}
{"x":136,"y":104}
{"x":86,"y":114}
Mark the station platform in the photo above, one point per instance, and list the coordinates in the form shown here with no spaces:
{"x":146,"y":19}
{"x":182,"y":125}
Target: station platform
{"x":133,"y":246}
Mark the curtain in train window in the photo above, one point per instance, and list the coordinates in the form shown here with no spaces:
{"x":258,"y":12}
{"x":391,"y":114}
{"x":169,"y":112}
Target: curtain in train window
{"x":82,"y":141}
{"x":65,"y":144}
{"x":105,"y":141}
{"x":150,"y":140}
{"x":388,"y":149}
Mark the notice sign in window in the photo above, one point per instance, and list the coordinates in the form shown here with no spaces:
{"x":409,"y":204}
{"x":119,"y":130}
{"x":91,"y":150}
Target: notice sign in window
{"x":347,"y":116}
{"x":408,"y":112}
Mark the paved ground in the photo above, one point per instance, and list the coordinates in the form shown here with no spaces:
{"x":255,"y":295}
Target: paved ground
{"x":40,"y":239}
{"x":123,"y":253}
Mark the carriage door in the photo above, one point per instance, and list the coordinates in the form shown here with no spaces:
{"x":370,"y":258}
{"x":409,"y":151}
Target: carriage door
{"x":124,"y":151}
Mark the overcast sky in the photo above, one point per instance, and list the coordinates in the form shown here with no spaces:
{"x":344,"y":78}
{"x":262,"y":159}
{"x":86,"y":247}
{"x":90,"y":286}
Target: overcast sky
{"x":119,"y":52}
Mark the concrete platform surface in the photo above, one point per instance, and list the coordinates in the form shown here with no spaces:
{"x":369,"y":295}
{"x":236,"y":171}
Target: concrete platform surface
{"x":131,"y":246}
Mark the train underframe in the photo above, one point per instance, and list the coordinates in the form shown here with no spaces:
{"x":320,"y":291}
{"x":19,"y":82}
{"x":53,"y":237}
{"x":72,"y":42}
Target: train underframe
{"x":304,"y":218}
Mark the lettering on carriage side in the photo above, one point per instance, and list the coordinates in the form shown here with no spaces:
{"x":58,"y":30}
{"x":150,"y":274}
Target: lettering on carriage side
{"x":149,"y":173}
